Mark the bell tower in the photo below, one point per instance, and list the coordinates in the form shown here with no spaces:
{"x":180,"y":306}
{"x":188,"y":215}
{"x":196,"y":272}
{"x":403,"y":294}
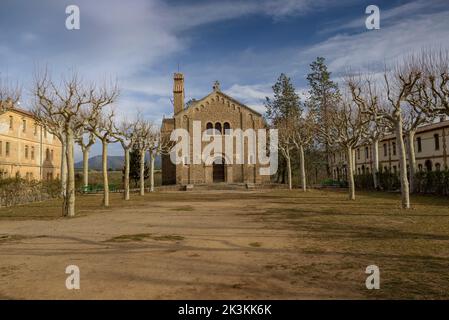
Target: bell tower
{"x":178,"y":92}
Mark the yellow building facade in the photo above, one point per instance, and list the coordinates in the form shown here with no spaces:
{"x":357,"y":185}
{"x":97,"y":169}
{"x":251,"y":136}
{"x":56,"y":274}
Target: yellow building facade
{"x":27,"y":150}
{"x":431,"y":153}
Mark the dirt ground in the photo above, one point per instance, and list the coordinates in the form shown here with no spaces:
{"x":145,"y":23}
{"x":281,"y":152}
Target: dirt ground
{"x":231,"y":245}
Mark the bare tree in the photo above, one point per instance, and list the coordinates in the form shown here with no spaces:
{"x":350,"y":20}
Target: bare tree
{"x":303,"y":134}
{"x":399,"y":84}
{"x":63,"y":102}
{"x":376,"y":132}
{"x":125,"y":132}
{"x":102,"y":125}
{"x":85,"y":146}
{"x":157,"y":145}
{"x":348,"y":127}
{"x":144,"y":131}
{"x":434,"y":86}
{"x":9,"y":95}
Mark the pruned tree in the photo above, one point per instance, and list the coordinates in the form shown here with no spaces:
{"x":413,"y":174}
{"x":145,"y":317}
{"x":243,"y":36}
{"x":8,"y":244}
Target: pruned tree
{"x":102,"y":125}
{"x":348,"y":126}
{"x":85,"y":145}
{"x":304,"y":128}
{"x":399,"y":83}
{"x":157,"y":145}
{"x":125,"y":132}
{"x":144,"y":131}
{"x":62,"y":103}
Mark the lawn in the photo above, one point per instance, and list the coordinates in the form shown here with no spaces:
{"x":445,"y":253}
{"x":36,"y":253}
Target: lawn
{"x":237,"y":244}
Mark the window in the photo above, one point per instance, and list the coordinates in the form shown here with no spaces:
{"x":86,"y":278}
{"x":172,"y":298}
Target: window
{"x":35,"y":129}
{"x":47,"y":154}
{"x":420,"y":167}
{"x":437,"y":166}
{"x":395,"y":169}
{"x":393,"y":146}
{"x":51,"y":155}
{"x":1,"y":148}
{"x":218,"y":127}
{"x":32,"y":153}
{"x":436,"y":137}
{"x":358,"y":153}
{"x":418,"y":140}
{"x":26,"y":152}
{"x":7,"y":149}
{"x":209,"y":127}
{"x":24,"y":125}
{"x":366,"y":153}
{"x":385,"y":149}
{"x":45,"y":133}
{"x":11,"y":122}
{"x":226,"y":127}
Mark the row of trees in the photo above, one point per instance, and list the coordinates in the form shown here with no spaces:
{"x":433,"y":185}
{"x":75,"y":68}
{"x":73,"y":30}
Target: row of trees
{"x":76,"y":112}
{"x":366,"y":108}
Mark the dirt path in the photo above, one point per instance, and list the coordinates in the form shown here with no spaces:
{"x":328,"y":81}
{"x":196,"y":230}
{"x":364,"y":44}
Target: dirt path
{"x":189,"y":250}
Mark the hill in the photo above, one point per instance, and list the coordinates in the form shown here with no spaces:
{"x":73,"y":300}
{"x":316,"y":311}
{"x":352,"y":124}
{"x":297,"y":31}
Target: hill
{"x":114,"y":162}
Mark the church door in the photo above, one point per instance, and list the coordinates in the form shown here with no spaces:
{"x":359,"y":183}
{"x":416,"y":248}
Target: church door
{"x":219,"y":170}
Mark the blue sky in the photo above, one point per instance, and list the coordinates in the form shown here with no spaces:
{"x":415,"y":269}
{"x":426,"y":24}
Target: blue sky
{"x":243,"y":44}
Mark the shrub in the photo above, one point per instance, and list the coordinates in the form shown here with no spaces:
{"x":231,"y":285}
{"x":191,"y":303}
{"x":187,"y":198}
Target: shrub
{"x":19,"y":191}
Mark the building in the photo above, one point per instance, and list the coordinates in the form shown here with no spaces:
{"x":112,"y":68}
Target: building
{"x":431,"y":152}
{"x":26,"y":149}
{"x":215,"y":111}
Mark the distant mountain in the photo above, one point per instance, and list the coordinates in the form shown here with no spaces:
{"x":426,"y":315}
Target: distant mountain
{"x":114,"y":163}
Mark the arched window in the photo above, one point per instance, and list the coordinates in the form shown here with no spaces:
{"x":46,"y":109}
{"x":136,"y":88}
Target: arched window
{"x":47,"y":154}
{"x":226,"y":126}
{"x":209,"y":127}
{"x":437,"y":166}
{"x":218,"y":127}
{"x":420,"y":167}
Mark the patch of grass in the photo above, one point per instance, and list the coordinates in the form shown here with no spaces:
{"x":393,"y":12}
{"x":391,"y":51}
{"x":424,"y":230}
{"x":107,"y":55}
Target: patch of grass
{"x":184,"y":208}
{"x":255,"y":244}
{"x":143,"y":236}
{"x":168,"y":238}
{"x":130,"y":237}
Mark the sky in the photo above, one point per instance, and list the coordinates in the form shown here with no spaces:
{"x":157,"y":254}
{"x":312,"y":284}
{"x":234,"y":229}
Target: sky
{"x":243,"y":44}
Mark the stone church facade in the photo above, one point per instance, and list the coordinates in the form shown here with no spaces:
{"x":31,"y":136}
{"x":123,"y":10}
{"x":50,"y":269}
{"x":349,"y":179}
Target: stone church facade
{"x":215,"y":111}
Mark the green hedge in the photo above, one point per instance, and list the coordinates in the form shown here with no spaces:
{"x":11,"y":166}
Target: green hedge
{"x":433,"y":182}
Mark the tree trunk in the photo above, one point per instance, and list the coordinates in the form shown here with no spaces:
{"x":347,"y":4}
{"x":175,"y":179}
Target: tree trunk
{"x":126,"y":178}
{"x":302,"y":168}
{"x":405,"y":195}
{"x":152,"y":158}
{"x":105,"y":174}
{"x":69,"y":200}
{"x":376,"y":163}
{"x":142,"y":172}
{"x":351,"y":174}
{"x":85,"y":167}
{"x":289,"y":172}
{"x":63,"y":168}
{"x":411,"y":159}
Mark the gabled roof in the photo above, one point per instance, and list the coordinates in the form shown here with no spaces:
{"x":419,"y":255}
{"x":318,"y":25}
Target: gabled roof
{"x":198,"y":102}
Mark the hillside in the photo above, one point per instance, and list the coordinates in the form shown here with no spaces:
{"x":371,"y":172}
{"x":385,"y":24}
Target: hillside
{"x":114,"y":163}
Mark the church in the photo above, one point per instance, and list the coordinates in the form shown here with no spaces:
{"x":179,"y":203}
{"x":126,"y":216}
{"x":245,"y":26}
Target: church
{"x":216,"y":111}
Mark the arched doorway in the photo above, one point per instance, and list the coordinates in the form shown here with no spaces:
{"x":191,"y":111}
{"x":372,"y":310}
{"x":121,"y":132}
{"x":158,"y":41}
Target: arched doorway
{"x":218,"y":170}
